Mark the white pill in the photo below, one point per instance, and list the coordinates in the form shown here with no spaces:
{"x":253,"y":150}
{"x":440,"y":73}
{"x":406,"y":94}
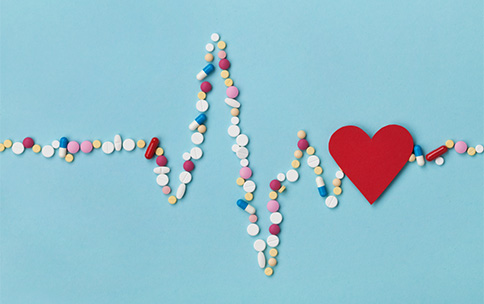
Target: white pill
{"x":313,"y":161}
{"x":202,"y":105}
{"x":118,"y":143}
{"x":232,"y":102}
{"x":161,"y":170}
{"x":439,"y":160}
{"x":253,"y":229}
{"x":259,"y":245}
{"x":18,"y":148}
{"x":185,"y":177}
{"x":196,"y":153}
{"x":331,"y":201}
{"x":215,"y":37}
{"x":235,"y":120}
{"x":55,"y":144}
{"x":339,"y":174}
{"x":48,"y":151}
{"x":479,"y":149}
{"x":162,"y":180}
{"x":180,"y":192}
{"x":281,"y":177}
{"x":249,"y":186}
{"x":242,"y":140}
{"x":273,"y":240}
{"x":129,"y":144}
{"x":235,"y":148}
{"x":276,"y":218}
{"x":108,"y":147}
{"x":292,"y":175}
{"x":197,"y":138}
{"x":209,"y":47}
{"x":186,"y":156}
{"x":242,"y":153}
{"x":233,"y":130}
{"x":244,"y":162}
{"x":261,"y":259}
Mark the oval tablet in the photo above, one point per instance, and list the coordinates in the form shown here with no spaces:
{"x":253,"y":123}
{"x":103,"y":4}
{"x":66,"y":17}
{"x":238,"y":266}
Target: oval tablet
{"x":118,"y":143}
{"x":273,"y":240}
{"x":129,"y":144}
{"x":259,"y":245}
{"x":253,"y":229}
{"x":180,"y":192}
{"x":48,"y":151}
{"x":232,"y":102}
{"x":162,"y":180}
{"x":261,"y":259}
{"x":108,"y":147}
{"x":161,"y":170}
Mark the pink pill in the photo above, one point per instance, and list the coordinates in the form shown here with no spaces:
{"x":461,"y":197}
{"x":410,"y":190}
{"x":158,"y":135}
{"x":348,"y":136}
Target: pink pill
{"x":222,"y":54}
{"x":272,"y":206}
{"x":274,"y":229}
{"x":166,"y":190}
{"x":232,"y":92}
{"x":245,"y":172}
{"x":224,"y":64}
{"x":188,"y":166}
{"x":86,"y":146}
{"x":253,"y":218}
{"x":28,"y":142}
{"x":275,"y":185}
{"x":460,"y":147}
{"x":206,"y":87}
{"x":303,"y":144}
{"x":73,"y":147}
{"x":161,"y":160}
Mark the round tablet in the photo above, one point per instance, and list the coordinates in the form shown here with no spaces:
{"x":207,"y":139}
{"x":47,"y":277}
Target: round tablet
{"x":253,"y":229}
{"x":166,"y":190}
{"x":172,"y":200}
{"x":206,"y":87}
{"x":331,"y":201}
{"x":197,"y":138}
{"x":159,"y":151}
{"x":202,"y":105}
{"x":233,"y":130}
{"x":242,"y":140}
{"x":108,"y":147}
{"x":439,"y":161}
{"x":86,"y":146}
{"x":196,"y":153}
{"x":471,"y":151}
{"x":337,"y":190}
{"x":245,"y":172}
{"x":18,"y":148}
{"x":249,"y":186}
{"x":318,"y":170}
{"x":336,"y":182}
{"x":2,"y":147}
{"x":412,"y":158}
{"x":460,"y":147}
{"x":244,"y":162}
{"x":268,"y":271}
{"x":295,"y":164}
{"x":128,"y":144}
{"x":141,"y":144}
{"x":224,"y":74}
{"x":224,"y":64}
{"x":449,"y":144}
{"x":310,"y":151}
{"x":161,"y":160}
{"x":298,"y":154}
{"x":479,"y":149}
{"x":235,"y":120}
{"x":69,"y":158}
{"x":209,"y":47}
{"x":235,"y":148}
{"x":273,"y":252}
{"x":73,"y":147}
{"x":275,"y":185}
{"x":188,"y":166}
{"x":301,"y":134}
{"x":7,"y":143}
{"x":274,"y":229}
{"x":186,"y":156}
{"x":249,"y":196}
{"x":202,"y":129}
{"x":36,"y":148}
{"x":259,"y":245}
{"x":234,"y":112}
{"x":221,"y":45}
{"x":272,"y":240}
{"x":272,"y":206}
{"x":222,"y":54}
{"x":240,"y":181}
{"x":48,"y":151}
{"x":272,"y":262}
{"x":185,"y":177}
{"x":209,"y":57}
{"x":339,"y":174}
{"x":215,"y":37}
{"x":302,"y":144}
{"x":28,"y":142}
{"x":292,"y":175}
{"x":201,"y":95}
{"x":253,"y":218}
{"x":276,"y":218}
{"x":162,"y":179}
{"x":232,"y":92}
{"x":96,"y":144}
{"x":281,"y":177}
{"x":273,"y":195}
{"x":313,"y":161}
{"x":242,"y":153}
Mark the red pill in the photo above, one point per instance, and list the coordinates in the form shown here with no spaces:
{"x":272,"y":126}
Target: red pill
{"x":188,"y":166}
{"x":274,"y":229}
{"x":275,"y":185}
{"x":28,"y":142}
{"x":224,"y":64}
{"x":206,"y":87}
{"x":436,"y":153}
{"x":150,"y":151}
{"x":161,"y":160}
{"x":303,"y":144}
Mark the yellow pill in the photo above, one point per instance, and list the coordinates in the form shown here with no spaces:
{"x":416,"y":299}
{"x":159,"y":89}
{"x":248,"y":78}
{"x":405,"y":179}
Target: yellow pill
{"x":268,"y":271}
{"x":2,"y":147}
{"x":336,"y":182}
{"x":172,"y":200}
{"x":96,"y":144}
{"x":36,"y":148}
{"x":69,"y":158}
{"x":202,"y":95}
{"x":471,"y":151}
{"x":159,"y":151}
{"x":273,"y":252}
{"x":7,"y":143}
{"x":318,"y":170}
{"x":337,"y":190}
{"x":141,"y":144}
{"x":228,"y":82}
{"x":209,"y":57}
{"x":221,"y":45}
{"x":272,"y":262}
{"x":298,"y":154}
{"x":273,"y":195}
{"x":224,"y":74}
{"x":202,"y":129}
{"x":234,"y":112}
{"x":249,"y":196}
{"x":282,"y":189}
{"x":301,"y":134}
{"x":449,"y":144}
{"x":412,"y":158}
{"x":295,"y":164}
{"x":310,"y":150}
{"x":240,"y":181}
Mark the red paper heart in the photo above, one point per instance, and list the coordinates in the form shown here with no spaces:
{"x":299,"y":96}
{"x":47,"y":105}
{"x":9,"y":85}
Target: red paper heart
{"x":371,"y":163}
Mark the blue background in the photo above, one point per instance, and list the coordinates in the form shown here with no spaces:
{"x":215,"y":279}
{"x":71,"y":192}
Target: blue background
{"x":100,"y":231}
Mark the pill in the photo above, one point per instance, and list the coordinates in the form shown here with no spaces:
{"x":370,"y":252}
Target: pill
{"x":321,"y":187}
{"x":273,"y":252}
{"x":249,"y":186}
{"x":302,"y":144}
{"x":274,"y":229}
{"x":471,"y":151}
{"x":242,"y":153}
{"x":268,"y":271}
{"x":221,"y":45}
{"x":253,"y":229}
{"x":128,"y":144}
{"x":55,"y":144}
{"x":63,"y":147}
{"x":449,"y":144}
{"x":259,"y":245}
{"x":118,"y":143}
{"x":272,"y":206}
{"x":235,"y":148}
{"x":234,"y":112}
{"x":337,"y":190}
{"x":222,"y":54}
{"x":310,"y":150}
{"x":159,"y":151}
{"x":339,"y":174}
{"x":180,"y":192}
{"x":232,"y":92}
{"x":197,"y":138}
{"x":273,"y":195}
{"x":86,"y":146}
{"x":233,"y":131}
{"x":253,"y":218}
{"x":261,"y":259}
{"x":215,"y":37}
{"x":479,"y":149}
{"x":161,"y":160}
{"x":228,"y":82}
{"x":460,"y":147}
{"x":245,"y":206}
{"x":235,"y":120}
{"x":276,"y":218}
{"x":18,"y":148}
{"x":73,"y":147}
{"x":240,"y":181}
{"x":36,"y":148}
{"x":188,"y":166}
{"x":313,"y":161}
{"x":242,"y":140}
{"x":185,"y":177}
{"x":245,"y":172}
{"x":249,"y":196}
{"x":417,"y":150}
{"x":172,"y":200}
{"x":336,"y":182}
{"x":161,"y":170}
{"x":150,"y":151}
{"x":205,"y":87}
{"x":196,"y":153}
{"x":201,"y":95}
{"x":69,"y":158}
{"x":209,"y":57}
{"x":295,"y":164}
{"x":96,"y":144}
{"x":28,"y":142}
{"x":439,"y":161}
{"x":232,"y":102}
{"x":272,"y":262}
{"x":273,"y":240}
{"x":166,"y":190}
{"x":331,"y":201}
{"x":48,"y":151}
{"x":162,"y":179}
{"x":298,"y":154}
{"x":301,"y":134}
{"x":244,"y":162}
{"x":202,"y":129}
{"x":292,"y":175}
{"x":275,"y":184}
{"x":412,"y":158}
{"x":436,"y":153}
{"x":318,"y":170}
{"x":282,"y":189}
{"x":186,"y":156}
{"x":224,"y":64}
{"x":202,"y":105}
{"x":224,"y":74}
{"x":200,"y":119}
{"x":108,"y":147}
{"x":209,"y":48}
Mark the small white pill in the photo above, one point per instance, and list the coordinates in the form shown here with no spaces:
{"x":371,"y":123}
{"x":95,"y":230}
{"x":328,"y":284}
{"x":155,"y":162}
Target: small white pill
{"x":202,"y":105}
{"x":281,"y":177}
{"x":161,"y":170}
{"x":253,"y":229}
{"x":196,"y":153}
{"x":331,"y":201}
{"x":197,"y":138}
{"x":242,"y":153}
{"x":249,"y":186}
{"x":244,"y":162}
{"x":259,"y":245}
{"x":47,"y":151}
{"x":313,"y":161}
{"x":108,"y":147}
{"x":55,"y":144}
{"x":235,"y":120}
{"x":439,"y":160}
{"x":118,"y":143}
{"x":273,"y":240}
{"x":242,"y":140}
{"x":292,"y":175}
{"x":186,"y":156}
{"x":276,"y":218}
{"x":235,"y":148}
{"x":18,"y":148}
{"x":180,"y":192}
{"x":479,"y":149}
{"x":232,"y":102}
{"x":185,"y":177}
{"x":261,"y":259}
{"x":339,"y":174}
{"x":233,"y":130}
{"x":129,"y":144}
{"x":215,"y":37}
{"x":162,"y":180}
{"x":209,"y":47}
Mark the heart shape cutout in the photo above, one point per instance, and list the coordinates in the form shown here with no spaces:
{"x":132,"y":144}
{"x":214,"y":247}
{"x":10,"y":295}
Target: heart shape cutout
{"x":371,"y":163}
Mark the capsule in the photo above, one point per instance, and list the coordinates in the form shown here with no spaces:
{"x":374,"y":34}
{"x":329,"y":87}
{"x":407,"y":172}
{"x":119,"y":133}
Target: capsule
{"x":321,"y":187}
{"x":197,"y":122}
{"x":63,"y":147}
{"x":150,"y":151}
{"x":118,"y":143}
{"x":206,"y":70}
{"x":436,"y":153}
{"x":417,"y":150}
{"x":245,"y":206}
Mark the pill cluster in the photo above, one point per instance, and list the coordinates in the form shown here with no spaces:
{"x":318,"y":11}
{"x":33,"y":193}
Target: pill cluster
{"x":436,"y":154}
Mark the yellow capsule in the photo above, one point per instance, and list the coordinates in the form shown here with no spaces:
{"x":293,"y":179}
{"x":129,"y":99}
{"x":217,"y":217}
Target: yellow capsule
{"x":159,"y":151}
{"x":318,"y":170}
{"x":273,"y":252}
{"x":449,"y":144}
{"x":221,"y":45}
{"x":282,"y":189}
{"x":202,"y":95}
{"x":310,"y":150}
{"x":224,"y":74}
{"x":172,"y":200}
{"x":240,"y":181}
{"x":96,"y":144}
{"x":337,"y":190}
{"x":249,"y":196}
{"x":7,"y":143}
{"x":295,"y":164}
{"x":209,"y":57}
{"x":228,"y":82}
{"x":268,"y":271}
{"x":141,"y":144}
{"x":273,"y":195}
{"x":2,"y":147}
{"x":36,"y":148}
{"x":471,"y":151}
{"x":298,"y":154}
{"x":69,"y":158}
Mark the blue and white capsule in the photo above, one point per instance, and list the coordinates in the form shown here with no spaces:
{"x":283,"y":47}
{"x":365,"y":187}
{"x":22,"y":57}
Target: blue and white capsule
{"x":245,"y":206}
{"x":417,"y":150}
{"x":321,"y":188}
{"x":197,"y":122}
{"x":205,"y":72}
{"x":63,"y":147}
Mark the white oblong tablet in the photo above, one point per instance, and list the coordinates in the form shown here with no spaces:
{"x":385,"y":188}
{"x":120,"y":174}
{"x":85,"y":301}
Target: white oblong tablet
{"x":186,"y":156}
{"x":209,"y":47}
{"x":202,"y":105}
{"x":233,"y":130}
{"x":331,"y":201}
{"x":47,"y":151}
{"x":292,"y":175}
{"x":197,"y":138}
{"x":215,"y":37}
{"x":273,"y":240}
{"x":259,"y":245}
{"x":242,"y":140}
{"x":18,"y":148}
{"x":55,"y":144}
{"x":196,"y":153}
{"x":180,"y":192}
{"x":261,"y":259}
{"x":161,"y":170}
{"x":281,"y":177}
{"x":232,"y":102}
{"x":235,"y":148}
{"x":108,"y":147}
{"x":249,"y":186}
{"x":235,"y":120}
{"x":339,"y":174}
{"x":244,"y":162}
{"x":439,"y":160}
{"x":129,"y":144}
{"x":118,"y":143}
{"x":276,"y":218}
{"x":313,"y":161}
{"x":479,"y":149}
{"x":162,"y":180}
{"x":253,"y":229}
{"x":242,"y":153}
{"x":185,"y":177}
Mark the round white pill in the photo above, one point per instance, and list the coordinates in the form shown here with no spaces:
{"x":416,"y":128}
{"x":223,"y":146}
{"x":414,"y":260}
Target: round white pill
{"x":55,"y":144}
{"x":162,"y":180}
{"x":249,"y":186}
{"x":242,"y":140}
{"x":273,"y":240}
{"x":108,"y":147}
{"x":339,"y":174}
{"x":18,"y":148}
{"x":197,"y":138}
{"x":313,"y":161}
{"x":276,"y":218}
{"x":253,"y":229}
{"x":215,"y":37}
{"x":233,"y":130}
{"x":48,"y":151}
{"x":235,"y":148}
{"x":185,"y":177}
{"x":242,"y":153}
{"x":479,"y":149}
{"x":186,"y":156}
{"x":129,"y":144}
{"x":292,"y":175}
{"x":244,"y":162}
{"x":209,"y":47}
{"x":196,"y":153}
{"x":259,"y":245}
{"x":439,"y":160}
{"x":331,"y":201}
{"x":202,"y":105}
{"x":281,"y":177}
{"x":235,"y":120}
